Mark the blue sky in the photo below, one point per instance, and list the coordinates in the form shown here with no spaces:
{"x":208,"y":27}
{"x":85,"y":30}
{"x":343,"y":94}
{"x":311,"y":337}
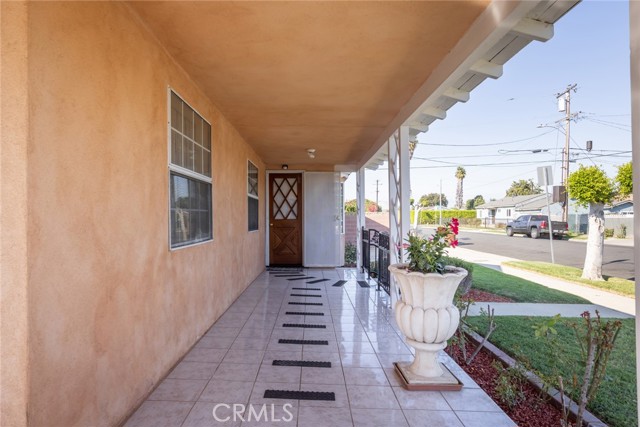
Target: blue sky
{"x":591,"y":49}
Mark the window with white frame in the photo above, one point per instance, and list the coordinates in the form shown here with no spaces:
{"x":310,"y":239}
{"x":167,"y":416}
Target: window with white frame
{"x":252,"y":195}
{"x":190,"y":217}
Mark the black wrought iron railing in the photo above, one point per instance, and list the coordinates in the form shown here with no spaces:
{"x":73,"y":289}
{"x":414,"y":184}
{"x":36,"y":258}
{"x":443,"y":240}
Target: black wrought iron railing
{"x":376,"y":258}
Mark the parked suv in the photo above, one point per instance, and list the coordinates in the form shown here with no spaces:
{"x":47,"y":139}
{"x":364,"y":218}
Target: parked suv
{"x":536,"y":225}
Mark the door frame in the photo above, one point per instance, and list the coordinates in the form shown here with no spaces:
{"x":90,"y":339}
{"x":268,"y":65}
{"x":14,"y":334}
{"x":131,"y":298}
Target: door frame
{"x":268,"y":211}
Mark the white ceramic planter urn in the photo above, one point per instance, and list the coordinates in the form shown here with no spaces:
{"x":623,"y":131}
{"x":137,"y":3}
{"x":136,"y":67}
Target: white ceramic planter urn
{"x":426,"y":314}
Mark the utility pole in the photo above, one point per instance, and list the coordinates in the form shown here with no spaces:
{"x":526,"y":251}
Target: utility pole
{"x":564,"y":104}
{"x":377,"y":185}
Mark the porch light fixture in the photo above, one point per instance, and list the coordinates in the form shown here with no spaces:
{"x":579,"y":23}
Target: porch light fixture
{"x":311,"y":152}
{"x":285,"y":167}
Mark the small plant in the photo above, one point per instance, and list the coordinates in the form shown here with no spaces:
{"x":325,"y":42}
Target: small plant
{"x":510,"y":383}
{"x":608,"y":232}
{"x":426,"y":254}
{"x":622,"y":234}
{"x":349,"y":254}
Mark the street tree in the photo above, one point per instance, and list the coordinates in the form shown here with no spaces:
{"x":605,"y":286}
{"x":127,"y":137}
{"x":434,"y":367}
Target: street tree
{"x":624,"y":179}
{"x":591,"y":187}
{"x":433,"y":199}
{"x":523,"y":187}
{"x":475,"y":202}
{"x":460,"y":175}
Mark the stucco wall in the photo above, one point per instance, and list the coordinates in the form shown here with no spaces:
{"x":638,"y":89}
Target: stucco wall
{"x":111,"y":308}
{"x":13,"y":211}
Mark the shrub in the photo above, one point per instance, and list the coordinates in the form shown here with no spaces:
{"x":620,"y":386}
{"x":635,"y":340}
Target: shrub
{"x":608,"y":232}
{"x":622,"y":234}
{"x":349,"y":254}
{"x":501,"y":225}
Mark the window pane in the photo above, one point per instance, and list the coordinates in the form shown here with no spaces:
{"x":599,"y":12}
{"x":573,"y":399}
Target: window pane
{"x":253,"y":213}
{"x":176,"y":112}
{"x":197,"y":132}
{"x":176,"y":148}
{"x":190,"y":216}
{"x":252,"y":179}
{"x":197,"y":159}
{"x":187,"y":121}
{"x":206,"y":163}
{"x":206,"y":135}
{"x":187,"y":152}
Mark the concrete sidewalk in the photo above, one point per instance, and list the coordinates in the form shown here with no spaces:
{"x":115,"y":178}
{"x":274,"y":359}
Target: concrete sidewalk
{"x":547,"y":310}
{"x":604,"y":302}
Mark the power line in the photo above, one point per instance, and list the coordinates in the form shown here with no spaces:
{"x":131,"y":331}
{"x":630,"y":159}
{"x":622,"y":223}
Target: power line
{"x":486,"y":145}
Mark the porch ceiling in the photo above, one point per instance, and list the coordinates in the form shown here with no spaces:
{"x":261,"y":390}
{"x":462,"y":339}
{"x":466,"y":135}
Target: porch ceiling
{"x":296,"y":75}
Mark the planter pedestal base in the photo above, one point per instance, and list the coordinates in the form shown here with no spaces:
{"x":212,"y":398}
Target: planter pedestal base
{"x":445,"y":382}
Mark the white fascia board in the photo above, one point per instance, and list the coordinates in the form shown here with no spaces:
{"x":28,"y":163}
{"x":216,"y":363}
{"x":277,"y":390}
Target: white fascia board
{"x":486,"y":69}
{"x":534,"y":30}
{"x":456,"y":94}
{"x":498,"y":19}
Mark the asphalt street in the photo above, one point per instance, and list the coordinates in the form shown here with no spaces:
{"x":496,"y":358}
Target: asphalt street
{"x":618,"y":260}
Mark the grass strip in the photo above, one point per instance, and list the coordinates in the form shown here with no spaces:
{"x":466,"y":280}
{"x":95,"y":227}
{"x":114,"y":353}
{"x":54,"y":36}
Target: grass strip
{"x":615,"y":402}
{"x":519,"y":290}
{"x":612,"y":284}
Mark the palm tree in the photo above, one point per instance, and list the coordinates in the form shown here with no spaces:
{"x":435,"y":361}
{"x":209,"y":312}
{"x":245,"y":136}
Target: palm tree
{"x":460,"y":174}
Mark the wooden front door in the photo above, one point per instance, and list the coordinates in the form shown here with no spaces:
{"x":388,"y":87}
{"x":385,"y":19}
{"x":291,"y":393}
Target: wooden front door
{"x":285,"y":219}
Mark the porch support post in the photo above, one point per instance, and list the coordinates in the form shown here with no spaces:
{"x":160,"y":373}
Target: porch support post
{"x":360,"y":218}
{"x":398,"y":192}
{"x":634,"y":27}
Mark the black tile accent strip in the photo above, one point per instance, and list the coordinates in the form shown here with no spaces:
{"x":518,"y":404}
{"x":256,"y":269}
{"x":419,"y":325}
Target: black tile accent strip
{"x":303,"y":325}
{"x":290,"y":275}
{"x":363,"y":284}
{"x":299,"y":395}
{"x":340,"y":283}
{"x":303,"y":313}
{"x":303,"y":342}
{"x":302,"y":363}
{"x":318,"y":281}
{"x":307,"y":289}
{"x":301,"y":278}
{"x":305,"y":303}
{"x":306,"y":295}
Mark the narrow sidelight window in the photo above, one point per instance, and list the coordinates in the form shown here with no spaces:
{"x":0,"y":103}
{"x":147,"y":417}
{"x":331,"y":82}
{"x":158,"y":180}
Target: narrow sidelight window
{"x":252,"y":195}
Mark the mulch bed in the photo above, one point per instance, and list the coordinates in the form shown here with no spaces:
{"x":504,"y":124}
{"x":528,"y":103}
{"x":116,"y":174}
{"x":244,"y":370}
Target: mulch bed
{"x":533,"y":411}
{"x":482,"y":296}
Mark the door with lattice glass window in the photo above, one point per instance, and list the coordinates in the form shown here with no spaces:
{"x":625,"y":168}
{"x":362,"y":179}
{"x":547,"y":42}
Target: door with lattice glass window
{"x":285,"y":219}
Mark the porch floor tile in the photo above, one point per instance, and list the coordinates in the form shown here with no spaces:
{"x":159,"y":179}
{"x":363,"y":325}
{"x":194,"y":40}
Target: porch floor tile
{"x":233,"y":365}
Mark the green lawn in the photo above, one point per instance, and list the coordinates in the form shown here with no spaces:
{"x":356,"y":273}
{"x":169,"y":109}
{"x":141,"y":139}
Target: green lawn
{"x":616,"y":400}
{"x":519,"y":290}
{"x":611,"y":284}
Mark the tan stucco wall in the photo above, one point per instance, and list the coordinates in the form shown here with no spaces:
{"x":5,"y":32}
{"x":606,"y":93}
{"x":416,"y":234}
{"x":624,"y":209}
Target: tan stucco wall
{"x":13,"y":211}
{"x":111,"y":308}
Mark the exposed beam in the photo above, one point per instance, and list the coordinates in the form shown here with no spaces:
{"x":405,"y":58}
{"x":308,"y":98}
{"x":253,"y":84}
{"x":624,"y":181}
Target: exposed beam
{"x":534,"y":30}
{"x":419,"y":127}
{"x":456,"y":94}
{"x":487,"y":69}
{"x":438,"y":113}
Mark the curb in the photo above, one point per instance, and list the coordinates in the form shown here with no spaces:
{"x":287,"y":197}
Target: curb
{"x":588,"y":419}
